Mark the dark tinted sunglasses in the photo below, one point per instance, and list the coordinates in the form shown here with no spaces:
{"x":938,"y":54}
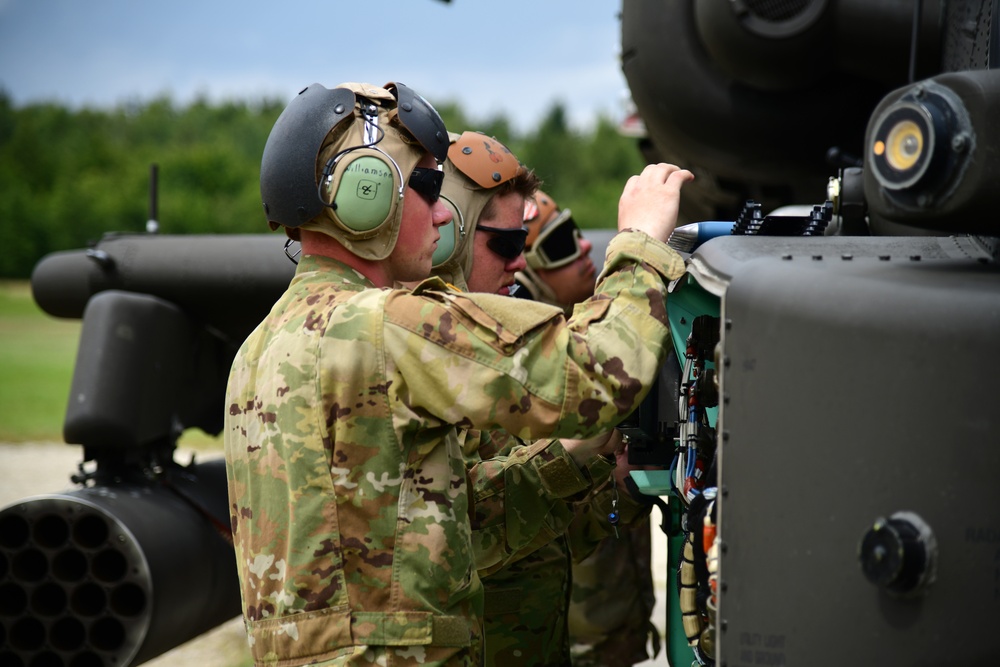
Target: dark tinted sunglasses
{"x":507,"y":243}
{"x":427,"y":182}
{"x":558,"y":245}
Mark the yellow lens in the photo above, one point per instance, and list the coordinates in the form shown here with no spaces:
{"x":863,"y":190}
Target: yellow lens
{"x":904,"y":145}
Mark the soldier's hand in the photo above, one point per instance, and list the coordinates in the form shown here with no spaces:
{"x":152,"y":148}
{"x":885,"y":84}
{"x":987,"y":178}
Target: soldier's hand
{"x":651,"y":200}
{"x":623,"y":468}
{"x":582,"y":450}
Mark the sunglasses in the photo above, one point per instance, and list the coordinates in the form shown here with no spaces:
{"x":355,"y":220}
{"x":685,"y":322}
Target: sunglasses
{"x":427,"y":183}
{"x":557,"y":245}
{"x":506,"y":243}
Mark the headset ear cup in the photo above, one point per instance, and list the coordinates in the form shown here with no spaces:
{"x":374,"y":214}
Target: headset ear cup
{"x":446,"y":246}
{"x":365,"y":191}
{"x":452,"y":234}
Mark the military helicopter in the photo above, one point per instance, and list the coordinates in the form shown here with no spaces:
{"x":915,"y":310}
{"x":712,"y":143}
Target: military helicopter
{"x":826,"y":427}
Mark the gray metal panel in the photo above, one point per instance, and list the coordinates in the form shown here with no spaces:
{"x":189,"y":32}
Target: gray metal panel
{"x":715,"y":262}
{"x":855,"y":389}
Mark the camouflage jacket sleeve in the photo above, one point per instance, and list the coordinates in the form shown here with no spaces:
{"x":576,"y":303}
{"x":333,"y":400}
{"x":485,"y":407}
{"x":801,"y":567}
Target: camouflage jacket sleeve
{"x":557,"y":524}
{"x":590,"y":525}
{"x":524,"y":495}
{"x":490,"y":362}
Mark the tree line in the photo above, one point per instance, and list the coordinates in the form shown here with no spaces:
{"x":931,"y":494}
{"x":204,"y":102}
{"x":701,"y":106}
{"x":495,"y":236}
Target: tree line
{"x":68,"y":176}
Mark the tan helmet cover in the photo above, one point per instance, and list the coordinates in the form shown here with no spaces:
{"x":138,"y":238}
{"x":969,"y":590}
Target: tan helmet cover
{"x":537,"y":212}
{"x":396,"y":149}
{"x":476,"y":164}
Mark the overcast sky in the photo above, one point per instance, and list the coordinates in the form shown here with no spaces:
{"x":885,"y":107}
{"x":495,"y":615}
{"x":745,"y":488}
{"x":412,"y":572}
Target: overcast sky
{"x":516,"y":56}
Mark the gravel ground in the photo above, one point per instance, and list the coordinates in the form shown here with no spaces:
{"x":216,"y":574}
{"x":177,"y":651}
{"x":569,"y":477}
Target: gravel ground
{"x":32,"y":468}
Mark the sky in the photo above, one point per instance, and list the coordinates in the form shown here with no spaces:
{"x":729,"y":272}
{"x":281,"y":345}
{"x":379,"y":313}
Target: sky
{"x":516,"y":57}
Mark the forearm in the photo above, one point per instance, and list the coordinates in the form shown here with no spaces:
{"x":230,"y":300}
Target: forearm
{"x":529,"y":371}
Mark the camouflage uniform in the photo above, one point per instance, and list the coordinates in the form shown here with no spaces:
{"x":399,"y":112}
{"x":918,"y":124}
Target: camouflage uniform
{"x":612,"y":594}
{"x":349,"y":492}
{"x":528,"y":597}
{"x":525,"y":612}
{"x":523,"y":495}
{"x":612,"y":600}
{"x":539,"y":597}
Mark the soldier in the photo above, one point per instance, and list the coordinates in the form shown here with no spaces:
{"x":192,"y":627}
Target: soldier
{"x":558,"y":270}
{"x":612,"y":595}
{"x":487,"y":204}
{"x":347,"y":485}
{"x":484,"y":187}
{"x":481,"y":249}
{"x":528,"y":595}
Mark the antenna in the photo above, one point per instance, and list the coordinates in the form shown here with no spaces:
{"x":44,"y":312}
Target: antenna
{"x":152,"y":225}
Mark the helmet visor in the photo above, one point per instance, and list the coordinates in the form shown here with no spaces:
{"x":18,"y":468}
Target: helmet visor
{"x":421,"y":120}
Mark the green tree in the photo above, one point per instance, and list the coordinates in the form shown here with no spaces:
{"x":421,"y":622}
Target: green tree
{"x":69,"y":176}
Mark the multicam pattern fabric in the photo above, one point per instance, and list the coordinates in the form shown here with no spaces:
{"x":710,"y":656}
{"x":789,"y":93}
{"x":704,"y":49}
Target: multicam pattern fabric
{"x":527,"y":592}
{"x":525,"y":620}
{"x":523,"y":495}
{"x":612,"y":600}
{"x":529,"y":595}
{"x":348,"y":488}
{"x":521,"y":511}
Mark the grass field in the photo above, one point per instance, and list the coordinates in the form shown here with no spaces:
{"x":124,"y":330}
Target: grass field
{"x":37,"y":356}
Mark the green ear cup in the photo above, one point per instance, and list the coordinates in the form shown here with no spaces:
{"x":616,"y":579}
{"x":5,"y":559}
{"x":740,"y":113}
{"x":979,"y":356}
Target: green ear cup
{"x":365,"y":193}
{"x":451,"y":234}
{"x":446,"y":246}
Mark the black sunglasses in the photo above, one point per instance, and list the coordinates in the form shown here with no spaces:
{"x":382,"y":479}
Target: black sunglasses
{"x":427,"y":183}
{"x":507,"y":243}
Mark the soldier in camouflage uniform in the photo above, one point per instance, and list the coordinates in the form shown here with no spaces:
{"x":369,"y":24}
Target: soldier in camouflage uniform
{"x":481,"y":251}
{"x":612,"y":596}
{"x":485,"y":189}
{"x":558,"y":269}
{"x":348,"y":488}
{"x":528,"y":597}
